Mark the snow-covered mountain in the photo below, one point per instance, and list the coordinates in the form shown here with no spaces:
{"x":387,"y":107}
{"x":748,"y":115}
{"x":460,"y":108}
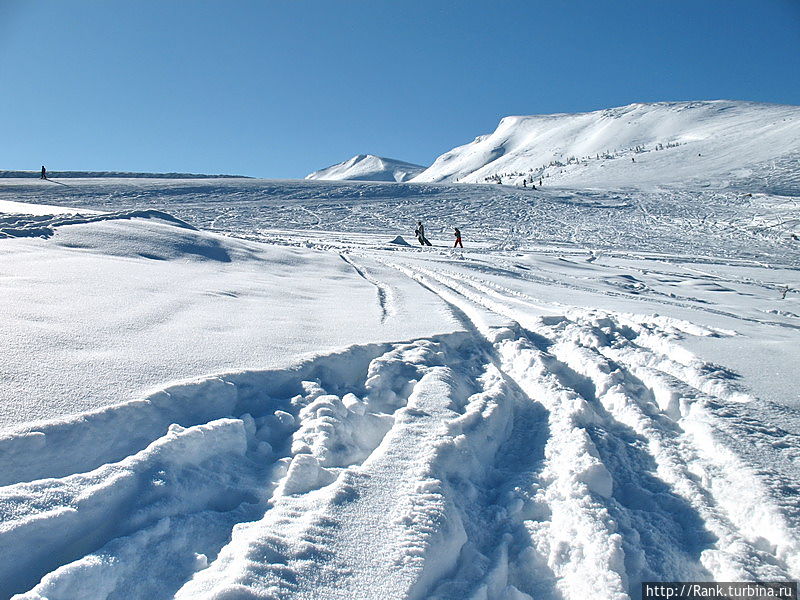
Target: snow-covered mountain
{"x":727,"y":142}
{"x":366,"y":167}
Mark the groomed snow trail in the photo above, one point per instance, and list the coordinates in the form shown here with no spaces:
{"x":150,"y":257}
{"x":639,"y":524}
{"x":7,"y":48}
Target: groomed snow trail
{"x":544,"y":453}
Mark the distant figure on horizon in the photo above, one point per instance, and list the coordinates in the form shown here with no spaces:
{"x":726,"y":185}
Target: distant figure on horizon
{"x":420,"y":233}
{"x":458,"y":238}
{"x":44,"y":173}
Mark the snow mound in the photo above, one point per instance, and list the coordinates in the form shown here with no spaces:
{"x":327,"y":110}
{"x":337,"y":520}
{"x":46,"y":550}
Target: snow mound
{"x":400,"y":241}
{"x":43,"y":223}
{"x":660,"y":143}
{"x":165,"y":238}
{"x":366,"y":167}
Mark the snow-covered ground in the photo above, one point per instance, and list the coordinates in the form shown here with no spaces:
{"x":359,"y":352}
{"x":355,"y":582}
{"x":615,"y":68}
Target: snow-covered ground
{"x":266,"y":389}
{"x":367,"y":167}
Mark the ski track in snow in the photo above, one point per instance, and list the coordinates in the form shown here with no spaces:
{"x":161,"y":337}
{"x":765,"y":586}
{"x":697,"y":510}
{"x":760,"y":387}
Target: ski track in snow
{"x":384,"y":292}
{"x":548,"y":451}
{"x":631,"y":426}
{"x":561,"y":456}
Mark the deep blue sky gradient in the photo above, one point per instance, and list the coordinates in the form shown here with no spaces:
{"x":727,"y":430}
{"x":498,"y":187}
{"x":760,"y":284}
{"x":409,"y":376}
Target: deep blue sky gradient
{"x":280,"y":88}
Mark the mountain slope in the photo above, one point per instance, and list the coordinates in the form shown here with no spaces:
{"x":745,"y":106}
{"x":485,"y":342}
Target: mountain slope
{"x":716,"y":142}
{"x":366,"y":167}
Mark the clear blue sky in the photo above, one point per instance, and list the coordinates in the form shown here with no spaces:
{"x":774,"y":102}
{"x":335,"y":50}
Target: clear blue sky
{"x":279,"y":88}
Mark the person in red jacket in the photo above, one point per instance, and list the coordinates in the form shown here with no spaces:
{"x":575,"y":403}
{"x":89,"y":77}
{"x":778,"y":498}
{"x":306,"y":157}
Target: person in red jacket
{"x":458,"y":238}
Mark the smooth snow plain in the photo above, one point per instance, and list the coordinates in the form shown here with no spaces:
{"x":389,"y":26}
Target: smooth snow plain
{"x":265,"y":389}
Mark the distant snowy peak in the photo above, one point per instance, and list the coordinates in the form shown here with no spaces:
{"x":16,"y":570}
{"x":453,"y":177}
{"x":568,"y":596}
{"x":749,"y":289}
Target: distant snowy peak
{"x":654,"y":143}
{"x":366,"y":167}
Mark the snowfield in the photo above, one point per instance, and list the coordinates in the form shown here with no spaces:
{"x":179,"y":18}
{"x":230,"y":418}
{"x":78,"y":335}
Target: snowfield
{"x":239,"y":389}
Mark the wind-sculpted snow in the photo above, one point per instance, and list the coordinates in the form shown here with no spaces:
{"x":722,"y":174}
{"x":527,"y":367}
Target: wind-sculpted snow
{"x":22,"y":225}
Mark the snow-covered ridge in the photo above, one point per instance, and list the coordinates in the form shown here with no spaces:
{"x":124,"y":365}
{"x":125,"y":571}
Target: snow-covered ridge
{"x":113,"y":174}
{"x":660,"y":143}
{"x":366,"y":167}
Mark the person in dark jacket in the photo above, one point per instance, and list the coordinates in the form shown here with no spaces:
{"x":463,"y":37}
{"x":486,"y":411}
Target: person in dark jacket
{"x":458,"y":238}
{"x":44,"y":173}
{"x":420,"y":231}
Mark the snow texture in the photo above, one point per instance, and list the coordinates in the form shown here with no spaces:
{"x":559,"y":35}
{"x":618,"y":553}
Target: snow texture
{"x":240,"y":389}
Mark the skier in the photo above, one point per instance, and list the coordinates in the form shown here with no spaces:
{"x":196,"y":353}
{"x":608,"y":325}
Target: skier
{"x":420,"y":232}
{"x":458,"y":238}
{"x":44,"y":173}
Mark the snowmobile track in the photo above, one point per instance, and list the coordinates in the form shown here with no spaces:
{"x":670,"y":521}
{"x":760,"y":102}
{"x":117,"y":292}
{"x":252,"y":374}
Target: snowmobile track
{"x":545,"y":452}
{"x":637,"y":433}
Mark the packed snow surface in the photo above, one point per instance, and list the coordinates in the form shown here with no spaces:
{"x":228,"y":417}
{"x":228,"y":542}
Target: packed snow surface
{"x":238,"y":389}
{"x":366,"y":167}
